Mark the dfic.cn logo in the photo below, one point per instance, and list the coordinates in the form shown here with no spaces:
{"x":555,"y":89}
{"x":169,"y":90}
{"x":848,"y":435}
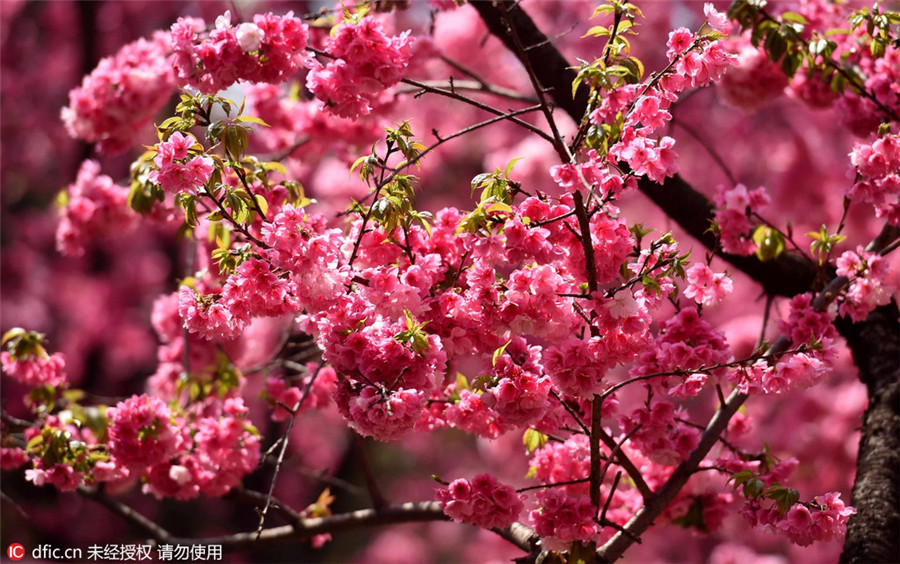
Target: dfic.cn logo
{"x":15,"y":551}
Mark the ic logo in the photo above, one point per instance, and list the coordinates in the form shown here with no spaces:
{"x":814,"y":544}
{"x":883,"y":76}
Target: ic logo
{"x":15,"y":551}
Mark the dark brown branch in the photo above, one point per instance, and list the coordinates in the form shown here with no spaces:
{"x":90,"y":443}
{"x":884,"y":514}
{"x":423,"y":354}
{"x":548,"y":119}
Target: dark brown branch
{"x":513,"y":33}
{"x":550,"y":67}
{"x":518,"y":534}
{"x":259,"y":499}
{"x":633,"y":472}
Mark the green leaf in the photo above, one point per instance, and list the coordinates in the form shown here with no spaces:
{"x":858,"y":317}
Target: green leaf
{"x":499,"y":352}
{"x":838,"y":83}
{"x":770,"y":243}
{"x":13,"y":333}
{"x":794,"y":17}
{"x":753,"y":488}
{"x":262,"y":203}
{"x":251,"y":119}
{"x":741,"y":477}
{"x":510,"y":165}
{"x":168,"y":123}
{"x":276,"y":166}
{"x":534,"y":440}
{"x":791,"y":64}
{"x":597,"y":31}
{"x":775,"y":45}
{"x":410,"y":320}
{"x":33,"y":446}
{"x":603,"y":10}
{"x":499,"y":207}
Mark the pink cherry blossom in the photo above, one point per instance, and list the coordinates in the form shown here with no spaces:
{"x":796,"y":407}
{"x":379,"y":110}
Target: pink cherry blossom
{"x":141,"y":432}
{"x":483,"y":502}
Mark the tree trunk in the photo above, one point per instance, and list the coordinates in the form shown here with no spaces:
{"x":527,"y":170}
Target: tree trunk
{"x":873,"y":534}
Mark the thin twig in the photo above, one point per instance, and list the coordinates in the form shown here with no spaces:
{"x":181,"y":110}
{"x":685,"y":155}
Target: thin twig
{"x":481,"y":106}
{"x":291,"y":515}
{"x":471,"y":85}
{"x":708,"y":148}
{"x":285,"y":439}
{"x":571,"y":412}
{"x":561,"y":149}
{"x":609,"y":497}
{"x":18,"y":508}
{"x":554,"y":485}
{"x":371,"y":484}
{"x":627,"y":465}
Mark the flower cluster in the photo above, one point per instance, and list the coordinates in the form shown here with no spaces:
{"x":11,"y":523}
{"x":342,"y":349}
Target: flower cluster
{"x":321,"y":383}
{"x":868,"y":288}
{"x":12,"y":458}
{"x":141,"y":432}
{"x":26,"y":360}
{"x":567,"y":461}
{"x":561,"y":519}
{"x":94,"y":207}
{"x":660,"y":433}
{"x":696,"y":62}
{"x":878,"y":176}
{"x":483,"y":502}
{"x":857,"y":111}
{"x":61,"y":476}
{"x":175,"y":171}
{"x":122,"y":95}
{"x":753,"y":81}
{"x":794,"y":370}
{"x":577,"y":366}
{"x":208,"y":315}
{"x":685,"y":342}
{"x":706,"y":287}
{"x":253,"y":289}
{"x":212,"y":460}
{"x":270,"y":49}
{"x":366,"y":62}
{"x":735,"y":206}
{"x":300,"y":244}
{"x":809,"y":330}
{"x":511,"y":317}
{"x":377,"y":412}
{"x":803,"y":523}
{"x":520,"y":393}
{"x":35,"y":369}
{"x":806,"y":325}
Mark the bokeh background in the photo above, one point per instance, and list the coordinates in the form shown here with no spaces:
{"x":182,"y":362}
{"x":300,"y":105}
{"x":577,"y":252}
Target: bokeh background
{"x":96,"y":308}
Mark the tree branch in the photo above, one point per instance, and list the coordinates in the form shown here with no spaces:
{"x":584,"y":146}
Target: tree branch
{"x":872,"y":532}
{"x":410,"y":512}
{"x":786,"y":276}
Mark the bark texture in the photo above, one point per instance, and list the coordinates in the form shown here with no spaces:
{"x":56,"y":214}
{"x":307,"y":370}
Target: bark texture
{"x":873,"y":534}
